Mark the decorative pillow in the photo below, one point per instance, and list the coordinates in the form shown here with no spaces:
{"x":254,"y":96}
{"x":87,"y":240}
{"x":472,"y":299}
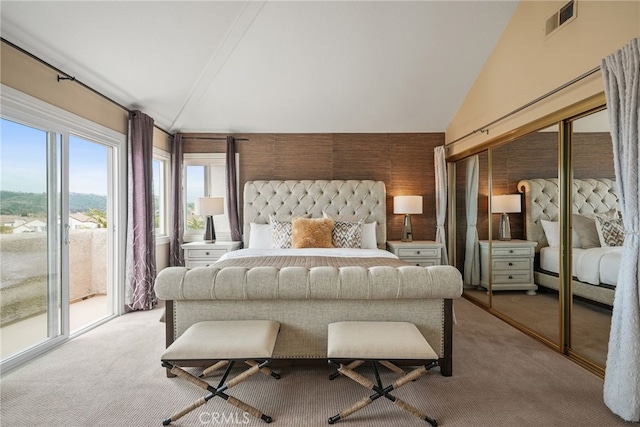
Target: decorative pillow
{"x":369,"y":240}
{"x":585,"y":226}
{"x":347,"y":234}
{"x":280,"y":233}
{"x":610,"y":231}
{"x":312,"y":232}
{"x":551,"y":232}
{"x":260,"y":236}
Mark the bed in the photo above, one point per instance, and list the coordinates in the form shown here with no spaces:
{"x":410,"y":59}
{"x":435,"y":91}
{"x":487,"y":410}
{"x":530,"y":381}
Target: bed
{"x":597,"y":235}
{"x":307,"y":288}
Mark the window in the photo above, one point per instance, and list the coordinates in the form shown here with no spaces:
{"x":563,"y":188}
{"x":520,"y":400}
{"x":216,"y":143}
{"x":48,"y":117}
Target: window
{"x":161,"y":185}
{"x":204,"y":175}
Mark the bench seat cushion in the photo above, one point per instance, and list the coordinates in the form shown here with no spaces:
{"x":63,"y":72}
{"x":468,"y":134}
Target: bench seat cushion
{"x":225,"y":340}
{"x":377,"y":341}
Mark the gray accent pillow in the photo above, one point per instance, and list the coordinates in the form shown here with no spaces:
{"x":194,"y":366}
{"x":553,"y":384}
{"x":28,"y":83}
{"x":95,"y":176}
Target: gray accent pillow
{"x":585,"y":226}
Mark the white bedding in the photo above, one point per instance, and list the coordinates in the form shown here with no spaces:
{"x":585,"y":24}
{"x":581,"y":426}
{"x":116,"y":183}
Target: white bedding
{"x":332,"y":252}
{"x":595,"y":265}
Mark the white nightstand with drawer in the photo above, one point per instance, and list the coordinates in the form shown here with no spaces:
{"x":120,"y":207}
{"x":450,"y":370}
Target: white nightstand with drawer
{"x":200,"y":254}
{"x":424,"y":253}
{"x":511,"y":265}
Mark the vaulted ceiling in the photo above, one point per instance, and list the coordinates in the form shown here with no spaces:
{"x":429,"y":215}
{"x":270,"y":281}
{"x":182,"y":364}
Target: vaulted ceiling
{"x":269,"y":66}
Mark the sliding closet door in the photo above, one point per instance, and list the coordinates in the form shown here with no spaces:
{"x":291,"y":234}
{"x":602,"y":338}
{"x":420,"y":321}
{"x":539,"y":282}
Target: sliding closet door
{"x":592,"y":297}
{"x":524,"y":270}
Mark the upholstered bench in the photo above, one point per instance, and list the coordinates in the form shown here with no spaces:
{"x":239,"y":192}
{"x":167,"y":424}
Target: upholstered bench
{"x":222,"y":343}
{"x":350,"y":344}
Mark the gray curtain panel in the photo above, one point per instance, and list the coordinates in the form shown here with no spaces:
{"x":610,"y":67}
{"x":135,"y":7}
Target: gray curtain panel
{"x":232,"y":191}
{"x":621,"y":75}
{"x":441,"y":199}
{"x":176,"y":255}
{"x":141,"y":245}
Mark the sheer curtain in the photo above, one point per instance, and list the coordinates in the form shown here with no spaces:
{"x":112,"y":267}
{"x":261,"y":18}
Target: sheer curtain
{"x":472,"y":256}
{"x":141,"y":245}
{"x":621,"y":73}
{"x":176,"y":255}
{"x":441,"y":199}
{"x":232,"y":191}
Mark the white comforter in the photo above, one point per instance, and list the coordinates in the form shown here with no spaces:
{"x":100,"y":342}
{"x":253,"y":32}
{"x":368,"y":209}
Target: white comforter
{"x":333,"y":252}
{"x":595,"y":265}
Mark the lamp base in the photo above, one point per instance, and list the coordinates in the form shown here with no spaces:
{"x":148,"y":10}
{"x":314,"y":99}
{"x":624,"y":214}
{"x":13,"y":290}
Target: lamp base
{"x":504,"y":231}
{"x":407,"y":233}
{"x":209,"y":230}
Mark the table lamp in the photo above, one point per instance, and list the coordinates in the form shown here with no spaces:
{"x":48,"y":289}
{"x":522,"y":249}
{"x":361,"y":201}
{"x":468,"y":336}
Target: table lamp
{"x":207,"y":207}
{"x":507,"y":203}
{"x":407,"y":205}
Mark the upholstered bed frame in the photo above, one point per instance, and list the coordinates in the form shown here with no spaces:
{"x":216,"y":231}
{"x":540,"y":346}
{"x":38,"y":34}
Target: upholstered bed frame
{"x":367,"y":199}
{"x":304,"y":301}
{"x":541,"y":201}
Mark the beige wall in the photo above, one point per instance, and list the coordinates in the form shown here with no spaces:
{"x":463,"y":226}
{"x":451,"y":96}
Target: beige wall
{"x":525,"y":65}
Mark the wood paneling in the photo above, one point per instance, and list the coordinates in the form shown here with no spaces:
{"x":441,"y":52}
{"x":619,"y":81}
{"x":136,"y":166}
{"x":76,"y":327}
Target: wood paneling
{"x":404,"y":162}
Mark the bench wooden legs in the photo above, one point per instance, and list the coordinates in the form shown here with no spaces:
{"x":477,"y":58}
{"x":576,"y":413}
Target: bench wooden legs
{"x":223,"y":386}
{"x":379,"y":389}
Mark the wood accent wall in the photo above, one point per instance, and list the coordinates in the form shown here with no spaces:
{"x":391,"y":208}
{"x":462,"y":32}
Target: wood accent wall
{"x":404,"y":162}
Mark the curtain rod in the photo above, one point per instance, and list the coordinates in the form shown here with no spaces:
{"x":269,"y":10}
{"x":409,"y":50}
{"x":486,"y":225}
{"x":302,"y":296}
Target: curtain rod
{"x":213,"y":138}
{"x":65,"y":75}
{"x":528,"y":104}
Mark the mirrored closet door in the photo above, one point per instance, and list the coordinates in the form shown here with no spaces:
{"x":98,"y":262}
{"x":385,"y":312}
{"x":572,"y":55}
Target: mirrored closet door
{"x":524,"y":190}
{"x":596,"y":236}
{"x":537,"y":216}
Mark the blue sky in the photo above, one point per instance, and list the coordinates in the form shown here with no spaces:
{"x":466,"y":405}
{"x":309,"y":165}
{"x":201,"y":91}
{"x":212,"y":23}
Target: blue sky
{"x":23,"y":164}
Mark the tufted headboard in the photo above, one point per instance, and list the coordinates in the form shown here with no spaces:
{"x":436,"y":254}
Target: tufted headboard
{"x":590,"y":195}
{"x":363,"y":198}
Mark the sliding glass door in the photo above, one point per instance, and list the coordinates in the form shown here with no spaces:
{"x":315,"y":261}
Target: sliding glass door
{"x":90,"y":231}
{"x":30,"y":292}
{"x":59,"y":211}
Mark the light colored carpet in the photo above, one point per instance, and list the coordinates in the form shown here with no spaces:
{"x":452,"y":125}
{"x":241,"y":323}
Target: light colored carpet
{"x":112,"y":376}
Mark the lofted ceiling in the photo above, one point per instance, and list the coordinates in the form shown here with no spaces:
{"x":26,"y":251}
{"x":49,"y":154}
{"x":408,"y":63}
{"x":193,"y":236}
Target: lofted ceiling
{"x":269,"y":66}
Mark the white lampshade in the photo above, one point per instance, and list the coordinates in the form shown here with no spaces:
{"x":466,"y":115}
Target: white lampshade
{"x":206,"y":206}
{"x":407,"y":205}
{"x":507,"y":203}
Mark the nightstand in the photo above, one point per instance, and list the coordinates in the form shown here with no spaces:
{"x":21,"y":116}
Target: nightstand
{"x":511,"y":265}
{"x":200,"y":254}
{"x":423,"y":253}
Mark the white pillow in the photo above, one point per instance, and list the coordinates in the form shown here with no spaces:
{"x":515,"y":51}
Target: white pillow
{"x":552,"y":232}
{"x":369,"y":235}
{"x":260,"y":236}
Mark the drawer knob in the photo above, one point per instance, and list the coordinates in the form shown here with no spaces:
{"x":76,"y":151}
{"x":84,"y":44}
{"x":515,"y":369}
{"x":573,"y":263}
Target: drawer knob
{"x":510,"y":277}
{"x":510,"y":251}
{"x":206,"y":253}
{"x":418,"y":252}
{"x":510,"y":264}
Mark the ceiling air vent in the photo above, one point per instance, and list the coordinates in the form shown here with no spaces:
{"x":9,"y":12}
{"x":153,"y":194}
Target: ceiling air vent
{"x":566,"y":14}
